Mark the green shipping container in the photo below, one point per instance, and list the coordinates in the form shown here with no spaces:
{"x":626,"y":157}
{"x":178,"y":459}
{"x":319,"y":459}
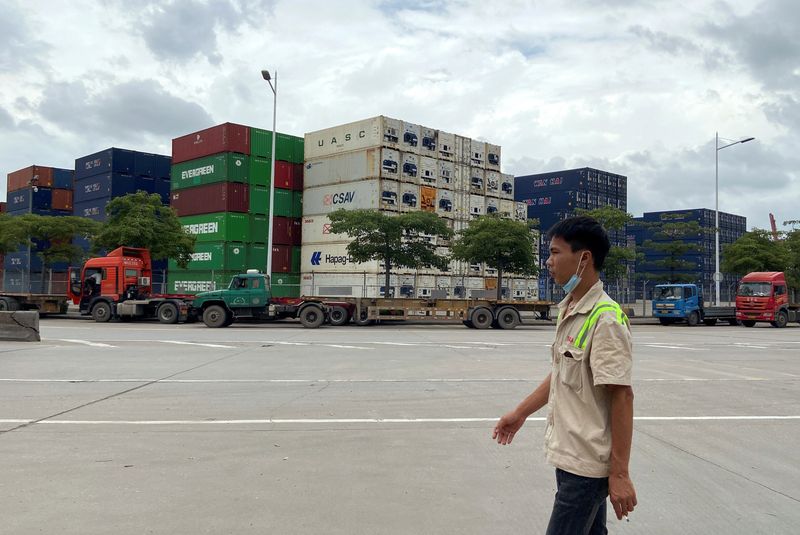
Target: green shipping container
{"x":224,"y":167}
{"x":259,"y":200}
{"x":286,"y":146}
{"x":261,"y":143}
{"x":220,"y":227}
{"x":297,"y":204}
{"x":182,"y":281}
{"x":259,"y":228}
{"x":296,"y":259}
{"x":216,"y":256}
{"x":260,"y":170}
{"x":285,"y":285}
{"x":284,"y":203}
{"x":257,"y":257}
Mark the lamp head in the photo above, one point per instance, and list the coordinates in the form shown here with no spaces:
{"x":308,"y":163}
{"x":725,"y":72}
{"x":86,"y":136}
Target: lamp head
{"x":746,"y":140}
{"x":265,"y":75}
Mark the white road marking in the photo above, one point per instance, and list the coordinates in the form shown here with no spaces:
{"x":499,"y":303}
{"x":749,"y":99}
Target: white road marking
{"x":84,"y":342}
{"x":666,"y":346}
{"x":751,"y":346}
{"x":306,"y":421}
{"x":393,"y":344}
{"x":345,"y":347}
{"x":711,"y":370}
{"x":196,"y":344}
{"x":458,"y":347}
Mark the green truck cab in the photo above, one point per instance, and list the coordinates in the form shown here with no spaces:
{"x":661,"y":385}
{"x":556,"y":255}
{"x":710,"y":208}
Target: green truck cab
{"x":249,"y":297}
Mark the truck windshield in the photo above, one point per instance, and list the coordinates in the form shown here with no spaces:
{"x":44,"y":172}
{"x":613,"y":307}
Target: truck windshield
{"x":755,"y":289}
{"x":668,"y":292}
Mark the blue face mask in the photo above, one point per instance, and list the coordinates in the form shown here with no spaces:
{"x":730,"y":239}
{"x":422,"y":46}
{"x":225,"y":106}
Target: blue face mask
{"x":575,"y":280}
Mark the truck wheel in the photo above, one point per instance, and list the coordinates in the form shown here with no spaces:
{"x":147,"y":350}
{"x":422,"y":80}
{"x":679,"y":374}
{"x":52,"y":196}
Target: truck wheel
{"x":362,"y":319}
{"x":311,"y":317}
{"x":482,"y":318}
{"x":338,"y":316}
{"x":215,"y":316}
{"x":781,"y":319}
{"x":507,"y":318}
{"x":748,"y":323}
{"x":468,"y":324}
{"x":733,"y":323}
{"x":229,"y":319}
{"x":664,"y":321}
{"x":693,"y":319}
{"x":710,"y":322}
{"x":167,"y":313}
{"x":8,"y":304}
{"x":101,"y":312}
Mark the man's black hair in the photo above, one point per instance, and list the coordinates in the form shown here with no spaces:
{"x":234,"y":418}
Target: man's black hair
{"x":583,"y":232}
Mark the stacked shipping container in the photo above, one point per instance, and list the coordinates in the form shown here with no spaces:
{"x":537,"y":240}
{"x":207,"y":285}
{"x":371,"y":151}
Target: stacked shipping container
{"x":552,"y":197}
{"x":116,"y":172}
{"x":220,"y":190}
{"x":395,"y":166}
{"x":36,"y":190}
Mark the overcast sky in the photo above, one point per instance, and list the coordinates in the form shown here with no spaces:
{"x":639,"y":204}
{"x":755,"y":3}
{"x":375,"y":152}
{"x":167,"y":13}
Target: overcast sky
{"x":632,"y":87}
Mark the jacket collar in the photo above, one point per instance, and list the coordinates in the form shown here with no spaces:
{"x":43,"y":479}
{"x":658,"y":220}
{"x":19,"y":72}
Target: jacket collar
{"x":586,"y":304}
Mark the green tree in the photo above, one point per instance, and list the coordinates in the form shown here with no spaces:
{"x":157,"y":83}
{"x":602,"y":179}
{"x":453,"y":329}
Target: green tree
{"x":503,"y":244}
{"x":792,"y":245}
{"x":619,"y":257}
{"x":14,"y":233}
{"x":669,"y":243}
{"x":755,"y":251}
{"x":397,"y":240}
{"x":141,"y":220}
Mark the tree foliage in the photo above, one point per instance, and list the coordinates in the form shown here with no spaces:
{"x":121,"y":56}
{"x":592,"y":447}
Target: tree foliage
{"x":757,"y":251}
{"x":14,"y":233}
{"x":141,"y":220}
{"x":503,"y":244}
{"x":669,"y":244}
{"x":619,"y":257}
{"x":404,"y":240}
{"x":59,"y":232}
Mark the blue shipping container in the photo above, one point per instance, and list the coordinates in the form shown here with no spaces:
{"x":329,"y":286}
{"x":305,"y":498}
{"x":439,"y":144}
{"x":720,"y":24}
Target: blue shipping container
{"x":106,"y":161}
{"x":25,"y":262}
{"x":163,"y":189}
{"x":26,"y":198}
{"x":93,"y":209}
{"x":62,"y":178}
{"x":144,"y":164}
{"x":532,"y":185}
{"x":105,"y":186}
{"x":163,"y":165}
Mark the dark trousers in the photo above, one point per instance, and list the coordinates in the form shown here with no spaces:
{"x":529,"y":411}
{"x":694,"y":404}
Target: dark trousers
{"x":580,"y":506}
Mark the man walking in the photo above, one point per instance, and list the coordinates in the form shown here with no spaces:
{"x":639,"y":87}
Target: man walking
{"x":588,"y":392}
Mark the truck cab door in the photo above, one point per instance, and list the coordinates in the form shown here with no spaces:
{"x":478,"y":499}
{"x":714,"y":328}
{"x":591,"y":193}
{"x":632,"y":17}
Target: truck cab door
{"x":257,"y":294}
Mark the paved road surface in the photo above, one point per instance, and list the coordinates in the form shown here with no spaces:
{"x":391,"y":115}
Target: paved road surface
{"x":144,"y":428}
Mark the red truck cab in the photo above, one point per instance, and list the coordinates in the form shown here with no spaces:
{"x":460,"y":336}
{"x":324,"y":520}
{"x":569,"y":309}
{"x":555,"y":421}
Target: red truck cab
{"x":764,"y":297}
{"x":119,"y":285}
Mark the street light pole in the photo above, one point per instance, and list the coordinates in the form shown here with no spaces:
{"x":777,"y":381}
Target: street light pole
{"x":717,"y":274}
{"x":268,"y":78}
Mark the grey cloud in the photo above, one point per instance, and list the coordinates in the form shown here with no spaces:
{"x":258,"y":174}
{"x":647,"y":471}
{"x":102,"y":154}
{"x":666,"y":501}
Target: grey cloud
{"x":661,"y":41}
{"x":766,"y":41}
{"x":785,"y":110}
{"x":124,"y":111}
{"x":6,"y":121}
{"x":18,"y":46}
{"x":180,"y":30}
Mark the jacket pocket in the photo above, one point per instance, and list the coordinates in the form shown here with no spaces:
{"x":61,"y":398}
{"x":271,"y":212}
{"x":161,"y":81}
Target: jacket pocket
{"x":571,"y":367}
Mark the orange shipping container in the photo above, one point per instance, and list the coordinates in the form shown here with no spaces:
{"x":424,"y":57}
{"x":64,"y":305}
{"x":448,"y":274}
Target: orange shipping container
{"x":491,"y":283}
{"x":428,"y":198}
{"x":35,"y":174}
{"x":62,"y":199}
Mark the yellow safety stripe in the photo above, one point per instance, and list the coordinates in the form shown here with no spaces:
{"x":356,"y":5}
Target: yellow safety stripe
{"x":594,"y":315}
